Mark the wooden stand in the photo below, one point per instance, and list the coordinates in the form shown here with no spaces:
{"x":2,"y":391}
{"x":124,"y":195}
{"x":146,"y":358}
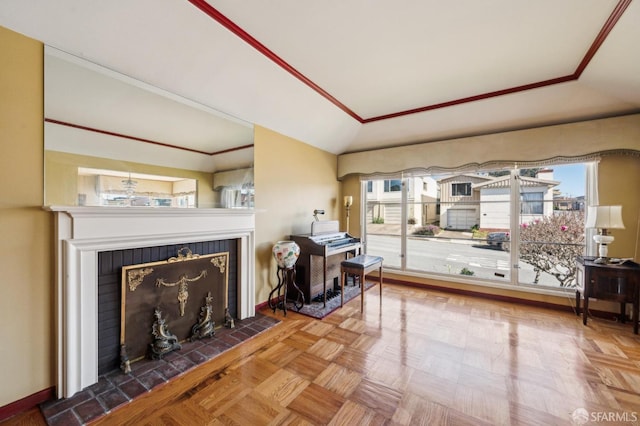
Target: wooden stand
{"x":614,"y":282}
{"x":286,"y":278}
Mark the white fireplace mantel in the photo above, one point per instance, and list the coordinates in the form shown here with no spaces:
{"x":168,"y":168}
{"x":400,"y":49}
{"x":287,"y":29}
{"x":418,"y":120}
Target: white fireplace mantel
{"x":83,"y":232}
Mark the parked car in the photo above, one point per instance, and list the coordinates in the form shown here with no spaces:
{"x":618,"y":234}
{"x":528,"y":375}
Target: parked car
{"x":496,"y":239}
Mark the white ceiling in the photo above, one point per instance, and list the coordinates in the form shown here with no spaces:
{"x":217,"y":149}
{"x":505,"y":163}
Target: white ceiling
{"x":328,"y":73}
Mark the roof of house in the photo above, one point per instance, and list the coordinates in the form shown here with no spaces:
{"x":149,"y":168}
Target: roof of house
{"x":466,"y":177}
{"x":525,"y":181}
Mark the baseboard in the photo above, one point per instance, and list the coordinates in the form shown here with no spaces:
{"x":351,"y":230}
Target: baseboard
{"x":511,"y":299}
{"x":262,"y":305}
{"x":499,"y":297}
{"x":26,"y":403}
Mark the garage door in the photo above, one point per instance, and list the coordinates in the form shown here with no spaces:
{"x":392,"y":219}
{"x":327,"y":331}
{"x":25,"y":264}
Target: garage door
{"x":461,"y":218}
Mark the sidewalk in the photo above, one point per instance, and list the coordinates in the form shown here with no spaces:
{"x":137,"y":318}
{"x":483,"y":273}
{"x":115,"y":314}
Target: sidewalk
{"x":394,"y":229}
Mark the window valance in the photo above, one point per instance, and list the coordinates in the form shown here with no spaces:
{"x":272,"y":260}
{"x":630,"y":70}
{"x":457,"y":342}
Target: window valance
{"x":559,"y":144}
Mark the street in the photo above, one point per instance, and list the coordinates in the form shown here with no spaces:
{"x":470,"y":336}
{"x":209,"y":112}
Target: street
{"x":450,"y":256}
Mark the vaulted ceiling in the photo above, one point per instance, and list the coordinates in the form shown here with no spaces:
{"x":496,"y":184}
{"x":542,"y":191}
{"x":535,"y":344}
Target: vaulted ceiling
{"x":352,"y":75}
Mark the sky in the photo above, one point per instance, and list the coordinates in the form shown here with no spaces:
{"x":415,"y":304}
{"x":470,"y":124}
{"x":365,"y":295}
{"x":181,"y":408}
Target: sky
{"x":572,"y":178}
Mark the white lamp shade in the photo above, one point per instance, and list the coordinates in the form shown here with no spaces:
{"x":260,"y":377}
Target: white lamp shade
{"x":604,"y":217}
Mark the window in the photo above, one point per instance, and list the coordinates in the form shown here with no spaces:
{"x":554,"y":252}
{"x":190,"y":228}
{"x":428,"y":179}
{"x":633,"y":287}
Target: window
{"x":392,"y":185}
{"x":532,"y":203}
{"x":461,"y":189}
{"x":481,"y":239}
{"x":369,"y":186}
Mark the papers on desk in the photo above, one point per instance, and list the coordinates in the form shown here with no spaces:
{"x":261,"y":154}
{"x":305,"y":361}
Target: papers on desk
{"x":618,"y":261}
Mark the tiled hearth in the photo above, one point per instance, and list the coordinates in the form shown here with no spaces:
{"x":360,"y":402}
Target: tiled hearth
{"x":116,"y":388}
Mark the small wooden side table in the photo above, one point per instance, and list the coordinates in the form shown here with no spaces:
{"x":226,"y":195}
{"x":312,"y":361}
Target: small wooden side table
{"x":614,"y":282}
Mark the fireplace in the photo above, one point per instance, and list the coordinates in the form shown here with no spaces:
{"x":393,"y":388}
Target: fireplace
{"x":82,"y":233}
{"x":118,"y":302}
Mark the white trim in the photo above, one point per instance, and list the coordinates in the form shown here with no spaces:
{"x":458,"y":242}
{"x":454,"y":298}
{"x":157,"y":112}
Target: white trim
{"x":593,"y":200}
{"x":82,"y":232}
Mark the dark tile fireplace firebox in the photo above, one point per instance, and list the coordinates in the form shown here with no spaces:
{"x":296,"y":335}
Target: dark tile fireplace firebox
{"x":110,"y":289}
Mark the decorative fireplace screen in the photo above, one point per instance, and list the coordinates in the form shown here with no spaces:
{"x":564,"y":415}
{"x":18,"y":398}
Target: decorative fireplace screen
{"x":180,"y":288}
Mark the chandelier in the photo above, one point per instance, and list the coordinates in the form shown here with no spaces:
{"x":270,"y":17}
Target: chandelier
{"x":129,"y":186}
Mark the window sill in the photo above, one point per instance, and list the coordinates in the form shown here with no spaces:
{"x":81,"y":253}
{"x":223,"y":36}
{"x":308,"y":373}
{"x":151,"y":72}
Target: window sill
{"x":560,"y":297}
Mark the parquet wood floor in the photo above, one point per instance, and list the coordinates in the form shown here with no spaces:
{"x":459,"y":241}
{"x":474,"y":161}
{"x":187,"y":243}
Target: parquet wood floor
{"x":424,"y":358}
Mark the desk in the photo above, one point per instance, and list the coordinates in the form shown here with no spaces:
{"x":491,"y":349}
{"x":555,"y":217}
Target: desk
{"x":614,"y":282}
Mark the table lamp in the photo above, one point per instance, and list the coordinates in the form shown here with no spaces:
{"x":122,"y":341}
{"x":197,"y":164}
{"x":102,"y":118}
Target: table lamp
{"x":604,"y":218}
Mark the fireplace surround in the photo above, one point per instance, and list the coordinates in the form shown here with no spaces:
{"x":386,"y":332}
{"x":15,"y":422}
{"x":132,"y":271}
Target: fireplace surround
{"x":81,"y":233}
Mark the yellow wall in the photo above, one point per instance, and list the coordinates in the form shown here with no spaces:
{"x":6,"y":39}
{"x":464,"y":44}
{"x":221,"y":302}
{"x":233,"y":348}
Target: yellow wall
{"x":291,"y":180}
{"x":61,"y":176}
{"x":26,"y":286}
{"x":618,"y":183}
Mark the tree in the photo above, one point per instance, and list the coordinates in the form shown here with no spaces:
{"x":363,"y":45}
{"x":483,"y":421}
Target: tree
{"x":522,"y":172}
{"x":552,"y":243}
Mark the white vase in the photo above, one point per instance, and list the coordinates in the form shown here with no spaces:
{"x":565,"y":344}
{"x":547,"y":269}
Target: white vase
{"x":286,"y":253}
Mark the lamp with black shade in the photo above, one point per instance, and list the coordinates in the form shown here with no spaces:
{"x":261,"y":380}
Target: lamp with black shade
{"x":604,"y":218}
